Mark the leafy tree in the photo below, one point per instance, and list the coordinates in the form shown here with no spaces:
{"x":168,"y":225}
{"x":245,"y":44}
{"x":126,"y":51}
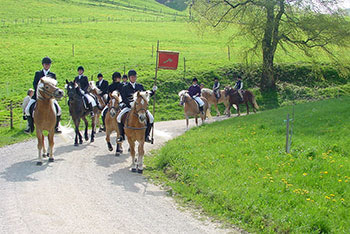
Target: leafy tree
{"x":273,"y":24}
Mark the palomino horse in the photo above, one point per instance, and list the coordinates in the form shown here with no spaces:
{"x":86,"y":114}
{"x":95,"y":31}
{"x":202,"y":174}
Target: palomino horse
{"x":212,"y":100}
{"x":101,"y":101}
{"x":191,"y":107}
{"x":135,"y":127}
{"x":111,"y":121}
{"x":234,"y":98}
{"x":78,"y":111}
{"x":45,"y":115}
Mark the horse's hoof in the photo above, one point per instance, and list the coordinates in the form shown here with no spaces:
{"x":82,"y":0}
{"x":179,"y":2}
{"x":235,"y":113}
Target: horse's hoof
{"x":51,"y":159}
{"x":44,"y":155}
{"x":129,"y":150}
{"x":39,"y":163}
{"x":117,"y":154}
{"x":92,"y":140}
{"x":86,"y":138}
{"x":133,"y":170}
{"x":120,"y":151}
{"x":110,"y":148}
{"x":81,"y":142}
{"x":76,"y":144}
{"x":140,"y":171}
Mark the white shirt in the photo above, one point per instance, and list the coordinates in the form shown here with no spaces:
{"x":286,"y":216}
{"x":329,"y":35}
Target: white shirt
{"x":133,"y":84}
{"x":46,"y":71}
{"x":25,"y":103}
{"x":100,"y":82}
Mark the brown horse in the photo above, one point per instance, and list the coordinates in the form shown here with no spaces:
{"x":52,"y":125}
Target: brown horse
{"x":101,"y":101}
{"x":234,"y":98}
{"x":191,"y":107}
{"x":212,"y":100}
{"x":45,"y":115}
{"x":111,"y":121}
{"x":135,"y":127}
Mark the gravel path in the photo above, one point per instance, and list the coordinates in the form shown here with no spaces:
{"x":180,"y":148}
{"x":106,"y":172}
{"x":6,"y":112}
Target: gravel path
{"x":88,"y":190}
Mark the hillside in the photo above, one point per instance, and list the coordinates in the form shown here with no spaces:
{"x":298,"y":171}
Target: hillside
{"x":237,"y":170}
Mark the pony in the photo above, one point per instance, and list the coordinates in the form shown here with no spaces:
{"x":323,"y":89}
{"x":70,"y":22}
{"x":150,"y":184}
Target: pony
{"x":135,"y":127}
{"x":101,"y":101}
{"x":111,"y":121}
{"x":45,"y":115}
{"x":212,"y":100}
{"x":234,"y":98}
{"x":78,"y":111}
{"x":191,"y":107}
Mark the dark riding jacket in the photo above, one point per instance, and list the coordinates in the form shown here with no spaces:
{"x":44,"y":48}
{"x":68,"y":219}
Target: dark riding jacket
{"x":128,"y":91}
{"x":194,"y":91}
{"x":38,"y":75}
{"x":238,"y":85}
{"x":115,"y":86}
{"x":83,"y":82}
{"x":216,"y":86}
{"x":103,"y":87}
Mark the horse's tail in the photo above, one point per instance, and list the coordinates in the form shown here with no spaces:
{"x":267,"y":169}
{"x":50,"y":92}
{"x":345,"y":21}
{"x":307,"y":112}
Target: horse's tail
{"x":254,"y":102}
{"x":207,"y":114}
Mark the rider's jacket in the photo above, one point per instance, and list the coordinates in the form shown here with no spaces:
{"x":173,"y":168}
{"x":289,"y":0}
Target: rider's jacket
{"x":38,"y":75}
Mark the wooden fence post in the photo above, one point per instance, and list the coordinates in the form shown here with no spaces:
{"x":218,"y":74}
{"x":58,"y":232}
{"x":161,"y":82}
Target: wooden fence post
{"x":287,"y":135}
{"x":11,"y":116}
{"x":228,"y":52}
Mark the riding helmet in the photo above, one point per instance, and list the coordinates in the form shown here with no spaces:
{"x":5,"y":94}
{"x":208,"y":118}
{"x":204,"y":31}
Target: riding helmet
{"x":194,"y":79}
{"x":132,"y":72}
{"x":46,"y":60}
{"x":80,"y":68}
{"x":99,"y":75}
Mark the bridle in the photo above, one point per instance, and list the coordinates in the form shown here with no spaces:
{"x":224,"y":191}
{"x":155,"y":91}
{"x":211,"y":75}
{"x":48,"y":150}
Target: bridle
{"x":136,"y":113}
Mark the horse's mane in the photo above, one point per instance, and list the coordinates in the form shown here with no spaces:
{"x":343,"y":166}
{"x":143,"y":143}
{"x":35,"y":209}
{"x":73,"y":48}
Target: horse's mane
{"x":47,"y":80}
{"x":183,"y":92}
{"x":92,"y":85}
{"x":206,"y":90}
{"x":116,"y":95}
{"x":144,"y":94}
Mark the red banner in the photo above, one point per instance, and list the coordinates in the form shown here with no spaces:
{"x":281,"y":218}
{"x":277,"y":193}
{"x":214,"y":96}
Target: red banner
{"x":168,"y":59}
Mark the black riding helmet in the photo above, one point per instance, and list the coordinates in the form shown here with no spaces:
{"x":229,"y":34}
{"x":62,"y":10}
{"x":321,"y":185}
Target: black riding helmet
{"x":46,"y":60}
{"x":99,"y":75}
{"x":80,"y":68}
{"x":194,"y":79}
{"x":132,"y":72}
{"x":116,"y":75}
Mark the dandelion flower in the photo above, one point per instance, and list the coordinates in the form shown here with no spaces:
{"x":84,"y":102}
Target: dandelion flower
{"x":304,"y":174}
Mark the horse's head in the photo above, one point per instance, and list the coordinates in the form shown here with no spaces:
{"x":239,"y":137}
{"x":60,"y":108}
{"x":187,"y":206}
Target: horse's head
{"x":47,"y":89}
{"x":93,"y":88}
{"x":228,"y":90}
{"x":140,"y":105}
{"x":113,"y":104}
{"x":182,"y":95}
{"x":71,"y":88}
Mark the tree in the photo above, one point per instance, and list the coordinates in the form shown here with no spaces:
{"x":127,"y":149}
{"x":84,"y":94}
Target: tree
{"x":273,"y":24}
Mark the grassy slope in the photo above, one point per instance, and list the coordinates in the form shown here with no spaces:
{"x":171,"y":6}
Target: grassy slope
{"x":106,"y":46}
{"x":239,"y":171}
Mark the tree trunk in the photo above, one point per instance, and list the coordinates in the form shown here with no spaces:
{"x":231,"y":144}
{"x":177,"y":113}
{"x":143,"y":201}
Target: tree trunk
{"x":267,"y":79}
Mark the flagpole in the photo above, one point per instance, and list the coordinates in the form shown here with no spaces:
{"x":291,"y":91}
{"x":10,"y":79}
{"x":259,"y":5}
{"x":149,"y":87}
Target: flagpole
{"x":155,"y":83}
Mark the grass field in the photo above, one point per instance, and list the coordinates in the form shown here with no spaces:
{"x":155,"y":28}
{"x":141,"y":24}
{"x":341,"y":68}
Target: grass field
{"x":239,"y":172}
{"x":108,"y":36}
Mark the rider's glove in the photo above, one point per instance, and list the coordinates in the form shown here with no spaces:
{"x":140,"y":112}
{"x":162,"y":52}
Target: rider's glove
{"x":154,"y":88}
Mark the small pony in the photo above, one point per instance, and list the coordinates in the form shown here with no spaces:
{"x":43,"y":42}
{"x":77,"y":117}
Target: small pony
{"x":212,"y":100}
{"x":78,"y":111}
{"x":111,"y":121}
{"x":234,"y":98}
{"x":101,"y":101}
{"x":135,"y":127}
{"x":191,"y":107}
{"x":45,"y":115}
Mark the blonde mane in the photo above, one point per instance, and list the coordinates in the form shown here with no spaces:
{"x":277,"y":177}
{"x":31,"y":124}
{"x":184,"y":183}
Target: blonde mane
{"x":46,"y":80}
{"x":206,"y":90}
{"x":116,"y":95}
{"x":183,"y":92}
{"x":145,"y":95}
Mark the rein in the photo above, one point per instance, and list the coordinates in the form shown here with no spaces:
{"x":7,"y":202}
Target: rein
{"x":135,"y":113}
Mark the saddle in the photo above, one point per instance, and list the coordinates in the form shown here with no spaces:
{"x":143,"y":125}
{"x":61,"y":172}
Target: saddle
{"x":217,"y":95}
{"x":33,"y":106}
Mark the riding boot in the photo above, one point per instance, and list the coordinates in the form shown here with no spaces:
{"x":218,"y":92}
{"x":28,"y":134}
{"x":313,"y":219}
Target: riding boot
{"x":148,"y":130}
{"x":31,"y":125}
{"x":57,"y":127}
{"x":121,"y":132}
{"x":91,"y":109}
{"x":201,"y":109}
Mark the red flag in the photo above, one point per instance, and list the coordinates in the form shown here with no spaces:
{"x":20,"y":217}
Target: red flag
{"x":168,"y":59}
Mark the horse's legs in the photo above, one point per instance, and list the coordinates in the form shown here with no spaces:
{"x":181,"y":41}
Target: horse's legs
{"x":217,"y":109}
{"x":229,"y":110}
{"x":108,"y":139}
{"x":196,"y":119}
{"x":51,"y":144}
{"x":77,"y":133}
{"x":93,"y":126}
{"x":39,"y":135}
{"x":43,"y":146}
{"x":238,"y":113}
{"x":187,"y":122}
{"x":246,"y":103}
{"x":86,"y":135}
{"x":140,"y":157}
{"x":132,"y":153}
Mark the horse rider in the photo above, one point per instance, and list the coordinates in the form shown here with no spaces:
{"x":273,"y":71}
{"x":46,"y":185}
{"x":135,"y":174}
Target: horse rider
{"x":25,"y":102}
{"x":102,"y":85}
{"x":195,"y":92}
{"x":115,"y":86}
{"x":127,"y":97}
{"x":239,"y":87}
{"x":216,"y":88}
{"x":125,"y":79}
{"x":83,"y":82}
{"x":46,"y":63}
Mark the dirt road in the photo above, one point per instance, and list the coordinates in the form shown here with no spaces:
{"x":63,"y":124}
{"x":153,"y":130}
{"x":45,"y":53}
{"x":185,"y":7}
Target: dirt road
{"x":88,"y":190}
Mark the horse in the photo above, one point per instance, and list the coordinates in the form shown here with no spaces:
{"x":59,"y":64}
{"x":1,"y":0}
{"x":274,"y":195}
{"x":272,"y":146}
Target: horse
{"x":234,"y":98}
{"x":45,"y":115}
{"x":191,"y":107}
{"x":111,"y":121}
{"x":78,"y":111}
{"x":135,"y":127}
{"x":101,"y":101}
{"x":212,"y":100}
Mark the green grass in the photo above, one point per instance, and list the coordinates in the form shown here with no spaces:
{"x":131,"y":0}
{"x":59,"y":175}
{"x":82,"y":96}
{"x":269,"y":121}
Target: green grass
{"x":237,"y":170}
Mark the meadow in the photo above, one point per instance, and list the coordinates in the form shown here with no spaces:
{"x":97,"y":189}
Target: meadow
{"x":240,"y":173}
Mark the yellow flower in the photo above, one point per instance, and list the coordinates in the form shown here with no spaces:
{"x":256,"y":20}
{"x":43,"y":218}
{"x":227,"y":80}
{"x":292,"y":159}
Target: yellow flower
{"x":326,"y":172}
{"x":308,"y":199}
{"x":342,"y":199}
{"x":327,"y":197}
{"x":304,"y":174}
{"x":339,"y":181}
{"x":334,"y":200}
{"x":332,"y":195}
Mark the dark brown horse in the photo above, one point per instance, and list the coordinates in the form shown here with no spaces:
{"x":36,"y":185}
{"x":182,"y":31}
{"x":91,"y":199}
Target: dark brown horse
{"x":234,"y":98}
{"x":45,"y":115}
{"x":78,"y":111}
